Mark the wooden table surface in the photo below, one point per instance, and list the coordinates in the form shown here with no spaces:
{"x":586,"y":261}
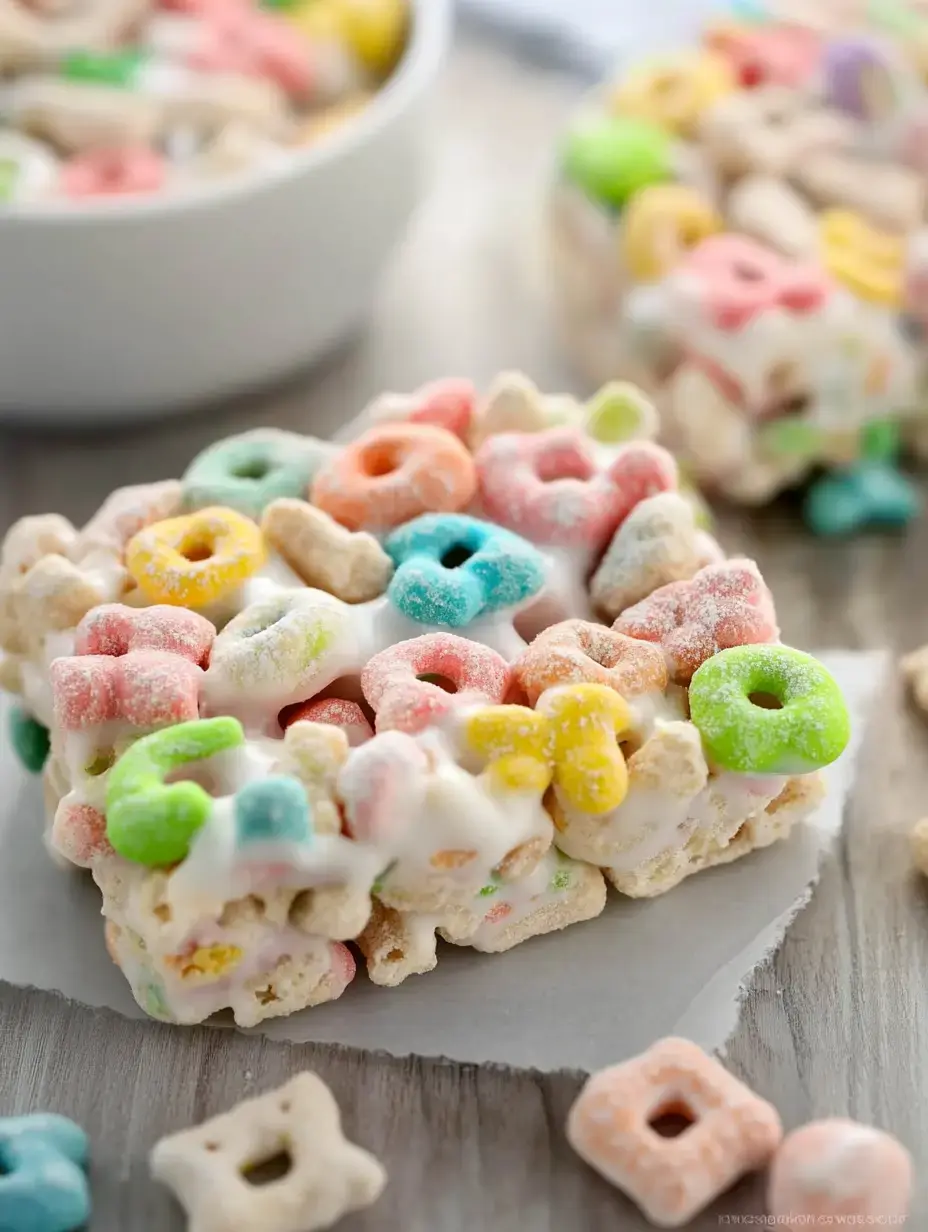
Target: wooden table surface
{"x":837,"y":1024}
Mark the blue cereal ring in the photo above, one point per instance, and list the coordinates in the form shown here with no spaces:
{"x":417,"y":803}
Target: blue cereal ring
{"x":272,"y":810}
{"x":42,"y":1183}
{"x":247,"y":472}
{"x":451,"y":569}
{"x":768,"y":710}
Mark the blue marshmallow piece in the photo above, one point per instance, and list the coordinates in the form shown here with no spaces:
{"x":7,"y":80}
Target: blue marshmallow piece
{"x":272,"y":810}
{"x":42,"y":1183}
{"x":452,"y":569}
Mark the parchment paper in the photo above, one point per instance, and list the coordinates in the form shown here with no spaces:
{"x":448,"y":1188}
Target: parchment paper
{"x":580,"y":999}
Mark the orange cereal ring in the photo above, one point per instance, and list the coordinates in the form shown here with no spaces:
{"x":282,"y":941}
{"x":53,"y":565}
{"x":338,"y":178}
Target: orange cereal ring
{"x":578,"y":652}
{"x":394,"y":473}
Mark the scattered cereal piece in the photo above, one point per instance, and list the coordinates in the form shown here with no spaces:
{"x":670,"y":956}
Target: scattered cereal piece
{"x":350,"y":565}
{"x":42,"y":1183}
{"x":837,"y":1171}
{"x":723,"y":1129}
{"x":299,"y":1126}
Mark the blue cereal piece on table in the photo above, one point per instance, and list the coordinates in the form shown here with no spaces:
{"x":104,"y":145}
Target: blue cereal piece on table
{"x":272,"y":810}
{"x":247,"y":472}
{"x":42,"y":1183}
{"x":29,"y":740}
{"x":452,"y":569}
{"x":870,"y":494}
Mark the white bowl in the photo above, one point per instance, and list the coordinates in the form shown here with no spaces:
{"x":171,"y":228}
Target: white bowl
{"x":124,"y":309}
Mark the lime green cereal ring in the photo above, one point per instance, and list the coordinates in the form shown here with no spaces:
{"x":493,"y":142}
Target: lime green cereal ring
{"x":768,"y":710}
{"x":611,"y":158}
{"x":150,"y":821}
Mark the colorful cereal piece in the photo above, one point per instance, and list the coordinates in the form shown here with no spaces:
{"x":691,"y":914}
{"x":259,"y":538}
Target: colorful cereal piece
{"x":382,"y":787}
{"x":279,"y":651}
{"x":29,"y":739}
{"x":148,"y":820}
{"x":404,"y":683}
{"x":115,"y":629}
{"x":673,"y":92}
{"x":113,"y":172}
{"x":43,"y":1187}
{"x":447,"y":404}
{"x":768,"y":710}
{"x":271,"y":810}
{"x":864,"y":78}
{"x":334,"y":711}
{"x":657,"y":543}
{"x":393,"y":473}
{"x":723,"y":605}
{"x":143,"y":690}
{"x":868,"y":261}
{"x":587,"y":721}
{"x":314,"y":753}
{"x":620,"y":412}
{"x":768,"y":55}
{"x":79,"y":833}
{"x":741,"y":279}
{"x":579,"y":652}
{"x":191,"y":561}
{"x":548,"y":487}
{"x":836,"y":1171}
{"x":247,"y":472}
{"x":243,"y":41}
{"x":613,"y":157}
{"x":348,"y":564}
{"x":375,"y":30}
{"x":516,"y":743}
{"x":662,"y":223}
{"x":452,"y":569}
{"x":124,"y":513}
{"x":614,"y":1126}
{"x":207,"y":1168}
{"x":870,"y":493}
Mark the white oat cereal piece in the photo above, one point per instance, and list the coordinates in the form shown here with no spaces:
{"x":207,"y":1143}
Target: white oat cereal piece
{"x":397,"y":944}
{"x":515,"y":404}
{"x":657,"y":543}
{"x":207,"y":1167}
{"x":889,"y":195}
{"x":77,"y":116}
{"x":772,"y":130}
{"x":771,"y":211}
{"x":348,"y":564}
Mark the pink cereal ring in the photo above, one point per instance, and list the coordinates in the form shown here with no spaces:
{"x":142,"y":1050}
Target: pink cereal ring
{"x":548,"y":487}
{"x":337,"y":713}
{"x":343,"y":968}
{"x":394,"y":473}
{"x":147,"y":689}
{"x":115,"y":629}
{"x":721,"y":606}
{"x":397,"y":681}
{"x":447,"y":404}
{"x":116,"y":172}
{"x":579,"y":652}
{"x":237,"y":38}
{"x":738,"y":279}
{"x":768,"y":55}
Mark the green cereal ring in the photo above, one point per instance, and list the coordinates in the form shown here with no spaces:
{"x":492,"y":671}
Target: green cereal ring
{"x":768,"y":710}
{"x":247,"y":472}
{"x":613,"y":157}
{"x":29,"y":739}
{"x":148,"y":820}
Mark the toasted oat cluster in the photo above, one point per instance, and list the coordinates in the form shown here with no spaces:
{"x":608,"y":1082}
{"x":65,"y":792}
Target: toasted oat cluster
{"x":311,"y":701}
{"x":740,"y":227}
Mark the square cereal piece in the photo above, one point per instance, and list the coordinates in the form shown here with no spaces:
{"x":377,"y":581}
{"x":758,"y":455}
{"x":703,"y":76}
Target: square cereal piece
{"x":617,"y":1125}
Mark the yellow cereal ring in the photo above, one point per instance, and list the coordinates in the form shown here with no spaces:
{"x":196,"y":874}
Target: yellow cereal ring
{"x":868,"y":261}
{"x":516,"y":741}
{"x":586,"y":722}
{"x":191,"y":561}
{"x":674,"y":91}
{"x":660,"y":224}
{"x":375,"y":30}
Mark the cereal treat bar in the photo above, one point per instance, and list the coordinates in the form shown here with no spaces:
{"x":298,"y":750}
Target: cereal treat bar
{"x":109,"y":99}
{"x":315,"y":702}
{"x":740,"y":228}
